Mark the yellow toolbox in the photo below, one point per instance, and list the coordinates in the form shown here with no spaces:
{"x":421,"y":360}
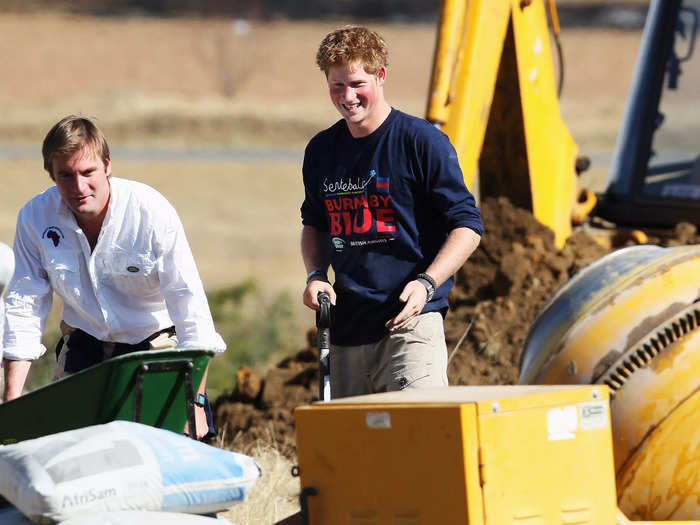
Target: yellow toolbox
{"x":479,"y":455}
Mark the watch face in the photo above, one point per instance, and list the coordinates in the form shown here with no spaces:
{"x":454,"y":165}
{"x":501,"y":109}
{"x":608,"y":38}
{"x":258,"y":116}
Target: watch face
{"x":200,"y":400}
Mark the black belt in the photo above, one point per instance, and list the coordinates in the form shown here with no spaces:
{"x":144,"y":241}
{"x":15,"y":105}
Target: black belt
{"x":86,"y":350}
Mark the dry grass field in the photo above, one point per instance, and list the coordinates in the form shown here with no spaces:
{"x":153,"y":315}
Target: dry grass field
{"x":197,"y":83}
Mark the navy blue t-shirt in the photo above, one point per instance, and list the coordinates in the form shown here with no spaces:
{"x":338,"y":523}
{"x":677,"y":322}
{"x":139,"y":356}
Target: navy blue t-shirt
{"x":388,"y":200}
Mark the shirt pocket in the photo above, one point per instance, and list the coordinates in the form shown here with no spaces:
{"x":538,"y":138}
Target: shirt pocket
{"x":132,"y":273}
{"x":63,"y":269}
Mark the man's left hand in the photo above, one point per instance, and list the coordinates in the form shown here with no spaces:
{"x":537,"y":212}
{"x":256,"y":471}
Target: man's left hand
{"x":200,"y":418}
{"x":414,"y":295}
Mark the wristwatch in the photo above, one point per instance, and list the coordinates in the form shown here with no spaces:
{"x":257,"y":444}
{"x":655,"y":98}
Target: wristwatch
{"x":200,"y":400}
{"x":429,"y":283}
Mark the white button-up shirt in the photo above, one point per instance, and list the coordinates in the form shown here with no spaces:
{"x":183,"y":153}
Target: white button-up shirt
{"x":139,"y":279}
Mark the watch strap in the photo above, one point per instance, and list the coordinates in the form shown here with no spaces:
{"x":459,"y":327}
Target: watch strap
{"x":429,"y":283}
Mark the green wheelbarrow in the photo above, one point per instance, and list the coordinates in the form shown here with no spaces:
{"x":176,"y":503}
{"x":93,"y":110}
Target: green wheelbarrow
{"x":154,"y":387}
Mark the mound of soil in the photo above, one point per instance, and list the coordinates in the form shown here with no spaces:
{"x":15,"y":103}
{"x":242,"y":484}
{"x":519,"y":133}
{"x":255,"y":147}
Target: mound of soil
{"x":497,"y":295}
{"x":263,"y":409}
{"x":501,"y":288}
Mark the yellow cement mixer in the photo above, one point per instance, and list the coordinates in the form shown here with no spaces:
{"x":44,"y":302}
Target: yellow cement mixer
{"x":631,"y":321}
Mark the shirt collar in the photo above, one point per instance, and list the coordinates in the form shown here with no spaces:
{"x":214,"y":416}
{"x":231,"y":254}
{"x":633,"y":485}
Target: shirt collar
{"x":62,"y":209}
{"x":112,"y":201}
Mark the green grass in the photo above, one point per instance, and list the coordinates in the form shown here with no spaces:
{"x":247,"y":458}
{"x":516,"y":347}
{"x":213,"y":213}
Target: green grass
{"x":256,"y":327}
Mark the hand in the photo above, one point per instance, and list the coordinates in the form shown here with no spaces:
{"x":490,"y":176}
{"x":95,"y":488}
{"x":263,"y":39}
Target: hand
{"x":200,"y":419}
{"x":312,"y":290}
{"x":415,"y":296}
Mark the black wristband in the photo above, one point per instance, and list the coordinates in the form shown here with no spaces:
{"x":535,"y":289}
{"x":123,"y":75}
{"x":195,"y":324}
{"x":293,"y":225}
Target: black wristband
{"x":315,"y":273}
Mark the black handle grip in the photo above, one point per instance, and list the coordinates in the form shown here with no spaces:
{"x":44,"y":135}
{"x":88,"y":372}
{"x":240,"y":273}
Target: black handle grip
{"x":323,"y":323}
{"x":323,"y":316}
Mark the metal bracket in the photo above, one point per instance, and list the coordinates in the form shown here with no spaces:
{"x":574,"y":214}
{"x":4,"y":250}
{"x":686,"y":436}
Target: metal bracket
{"x":185,"y":366}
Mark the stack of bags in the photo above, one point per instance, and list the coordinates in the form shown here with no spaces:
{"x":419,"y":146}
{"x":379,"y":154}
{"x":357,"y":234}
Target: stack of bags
{"x":121,"y":473}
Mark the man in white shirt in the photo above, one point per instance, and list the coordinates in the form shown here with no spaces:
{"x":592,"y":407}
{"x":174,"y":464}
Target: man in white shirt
{"x":115,"y":252}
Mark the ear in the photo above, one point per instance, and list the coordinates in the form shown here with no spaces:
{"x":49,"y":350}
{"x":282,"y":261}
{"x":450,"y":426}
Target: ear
{"x":381,"y":75}
{"x":49,"y":170}
{"x":108,"y":166}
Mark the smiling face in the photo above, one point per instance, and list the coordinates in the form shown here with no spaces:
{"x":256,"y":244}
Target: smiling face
{"x":358,"y":96}
{"x":82,"y":179}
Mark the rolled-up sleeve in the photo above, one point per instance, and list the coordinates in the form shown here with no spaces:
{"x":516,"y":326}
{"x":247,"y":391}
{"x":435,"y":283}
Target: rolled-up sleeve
{"x":27,"y":300}
{"x":183,"y":291}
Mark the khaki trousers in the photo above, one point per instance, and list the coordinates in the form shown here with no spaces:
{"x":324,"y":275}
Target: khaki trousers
{"x":415,"y":357}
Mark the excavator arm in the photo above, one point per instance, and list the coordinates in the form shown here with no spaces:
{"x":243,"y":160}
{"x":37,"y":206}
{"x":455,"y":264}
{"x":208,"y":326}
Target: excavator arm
{"x":493,"y":92}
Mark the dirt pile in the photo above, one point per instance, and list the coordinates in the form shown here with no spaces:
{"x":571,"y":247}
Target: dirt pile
{"x":498,"y":293}
{"x":263,"y":409}
{"x":502,"y":287}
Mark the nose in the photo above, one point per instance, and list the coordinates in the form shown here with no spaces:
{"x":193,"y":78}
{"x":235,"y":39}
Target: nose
{"x":349,"y":93}
{"x":78,"y":184}
{"x":82,"y":184}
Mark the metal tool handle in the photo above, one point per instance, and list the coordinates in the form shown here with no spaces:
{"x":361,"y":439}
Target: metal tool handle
{"x":323,"y":324}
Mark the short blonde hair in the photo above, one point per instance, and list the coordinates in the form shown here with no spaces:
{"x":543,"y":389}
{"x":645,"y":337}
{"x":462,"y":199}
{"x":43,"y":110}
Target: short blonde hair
{"x":71,"y":134}
{"x":353,"y":44}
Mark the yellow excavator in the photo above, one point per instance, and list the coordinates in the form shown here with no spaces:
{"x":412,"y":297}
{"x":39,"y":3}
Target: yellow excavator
{"x":631,"y":321}
{"x":623,"y":334}
{"x":494,"y":92}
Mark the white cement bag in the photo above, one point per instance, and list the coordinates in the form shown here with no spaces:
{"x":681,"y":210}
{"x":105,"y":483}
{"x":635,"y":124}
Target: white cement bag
{"x":121,"y":466}
{"x":143,"y":517}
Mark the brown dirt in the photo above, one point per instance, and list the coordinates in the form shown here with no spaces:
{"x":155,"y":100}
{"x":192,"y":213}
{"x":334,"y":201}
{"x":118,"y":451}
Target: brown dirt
{"x":502,"y":287}
{"x":262,"y":410}
{"x":498,"y":293}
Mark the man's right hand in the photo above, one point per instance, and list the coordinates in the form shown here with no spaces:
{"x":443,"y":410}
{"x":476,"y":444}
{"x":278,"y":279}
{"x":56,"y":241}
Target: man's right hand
{"x":315,"y":287}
